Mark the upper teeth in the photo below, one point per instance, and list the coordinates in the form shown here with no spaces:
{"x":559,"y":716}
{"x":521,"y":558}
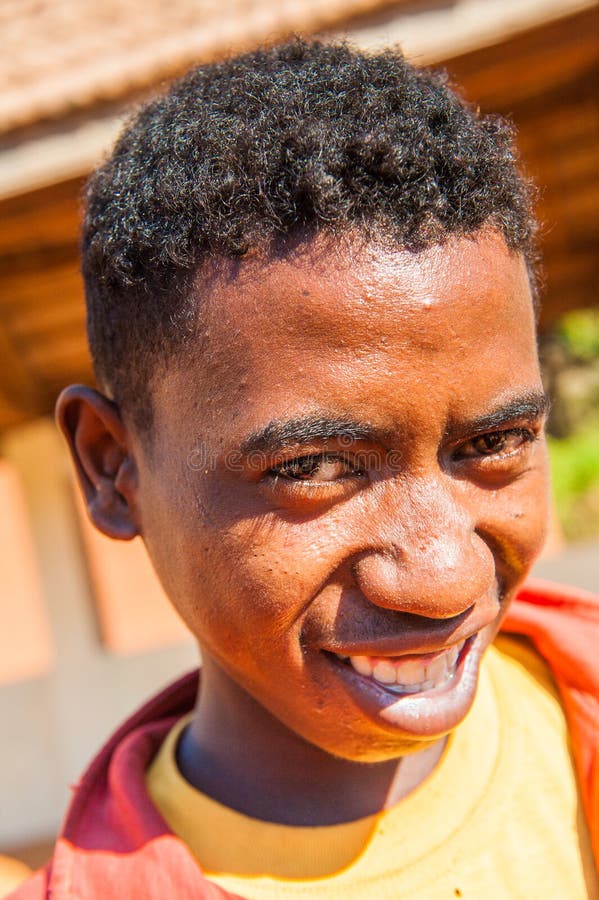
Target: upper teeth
{"x":409,"y":676}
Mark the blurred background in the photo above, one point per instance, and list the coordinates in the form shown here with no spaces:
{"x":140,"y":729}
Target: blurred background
{"x":85,"y":633}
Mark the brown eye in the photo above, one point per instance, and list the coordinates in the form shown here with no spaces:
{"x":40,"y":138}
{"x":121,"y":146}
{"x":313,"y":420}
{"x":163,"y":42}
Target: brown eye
{"x":300,"y":469}
{"x":490,"y":443}
{"x":318,"y":468}
{"x":495,"y":443}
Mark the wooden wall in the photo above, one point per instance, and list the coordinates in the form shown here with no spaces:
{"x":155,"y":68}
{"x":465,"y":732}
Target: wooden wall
{"x":547,"y":81}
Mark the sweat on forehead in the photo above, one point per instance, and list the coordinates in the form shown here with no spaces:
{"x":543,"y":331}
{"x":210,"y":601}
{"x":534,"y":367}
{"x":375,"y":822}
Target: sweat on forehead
{"x":241,"y":156}
{"x":283,"y":336}
{"x":323,"y":286}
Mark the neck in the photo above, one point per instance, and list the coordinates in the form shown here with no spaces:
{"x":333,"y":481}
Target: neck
{"x":237,"y":753}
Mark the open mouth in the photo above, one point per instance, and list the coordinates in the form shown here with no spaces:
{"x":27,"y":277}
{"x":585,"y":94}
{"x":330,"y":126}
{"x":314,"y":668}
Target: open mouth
{"x":409,"y":674}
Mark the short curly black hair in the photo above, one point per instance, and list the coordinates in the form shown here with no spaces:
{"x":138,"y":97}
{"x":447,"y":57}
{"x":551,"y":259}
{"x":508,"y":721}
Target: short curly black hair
{"x":244,"y":154}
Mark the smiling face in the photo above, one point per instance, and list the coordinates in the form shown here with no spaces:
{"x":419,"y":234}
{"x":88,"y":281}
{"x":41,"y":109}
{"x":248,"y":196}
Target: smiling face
{"x":347,"y":483}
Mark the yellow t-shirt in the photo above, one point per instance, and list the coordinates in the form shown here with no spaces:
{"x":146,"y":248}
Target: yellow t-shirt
{"x":499,"y":817}
{"x":12,"y":873}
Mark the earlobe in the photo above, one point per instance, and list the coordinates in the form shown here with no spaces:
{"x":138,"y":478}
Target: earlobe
{"x":97,"y":439}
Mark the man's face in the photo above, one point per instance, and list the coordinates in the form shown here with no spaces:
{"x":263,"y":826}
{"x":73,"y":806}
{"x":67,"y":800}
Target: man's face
{"x":347,"y":482}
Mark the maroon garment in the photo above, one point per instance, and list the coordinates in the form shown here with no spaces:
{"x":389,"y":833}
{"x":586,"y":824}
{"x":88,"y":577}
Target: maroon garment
{"x":115,"y":844}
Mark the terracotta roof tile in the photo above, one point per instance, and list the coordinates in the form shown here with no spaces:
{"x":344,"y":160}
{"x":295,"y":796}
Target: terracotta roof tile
{"x":63,"y":55}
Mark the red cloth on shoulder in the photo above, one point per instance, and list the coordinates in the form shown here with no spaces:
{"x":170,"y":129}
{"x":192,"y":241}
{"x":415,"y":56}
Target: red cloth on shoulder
{"x":563,"y":625}
{"x":115,"y":844}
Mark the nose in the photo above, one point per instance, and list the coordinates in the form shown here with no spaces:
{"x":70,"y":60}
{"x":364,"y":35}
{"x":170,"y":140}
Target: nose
{"x":425,"y":557}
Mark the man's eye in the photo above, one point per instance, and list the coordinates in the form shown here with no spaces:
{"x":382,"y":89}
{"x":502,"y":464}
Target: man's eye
{"x":496,"y":443}
{"x":318,"y":468}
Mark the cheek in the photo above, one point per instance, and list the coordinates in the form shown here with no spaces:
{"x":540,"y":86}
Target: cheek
{"x":250,"y":594}
{"x":517,"y":518}
{"x":262,"y":579}
{"x":277,"y":564}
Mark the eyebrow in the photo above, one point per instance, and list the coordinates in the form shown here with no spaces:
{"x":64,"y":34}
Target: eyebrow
{"x":281,"y":435}
{"x":530,"y":406}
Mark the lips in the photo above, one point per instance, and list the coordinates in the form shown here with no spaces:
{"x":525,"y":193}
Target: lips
{"x":409,"y":674}
{"x":424,"y":709}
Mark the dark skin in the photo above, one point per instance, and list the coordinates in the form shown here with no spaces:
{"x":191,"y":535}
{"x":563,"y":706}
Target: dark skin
{"x":353,"y":465}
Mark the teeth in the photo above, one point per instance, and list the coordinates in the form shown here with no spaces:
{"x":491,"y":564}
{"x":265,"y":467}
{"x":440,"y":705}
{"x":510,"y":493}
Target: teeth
{"x":412,"y":672}
{"x":362,"y":665}
{"x":409,"y":676}
{"x":437,"y":668}
{"x":384,"y":672}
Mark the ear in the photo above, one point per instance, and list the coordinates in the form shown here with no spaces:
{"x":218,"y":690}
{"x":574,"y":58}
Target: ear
{"x":106,"y":470}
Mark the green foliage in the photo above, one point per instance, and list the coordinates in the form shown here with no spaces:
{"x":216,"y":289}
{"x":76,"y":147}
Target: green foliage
{"x":579,"y":330}
{"x":575,"y":473}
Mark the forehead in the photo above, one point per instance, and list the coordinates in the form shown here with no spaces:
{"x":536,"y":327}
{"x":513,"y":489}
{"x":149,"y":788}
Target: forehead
{"x":328,"y":289}
{"x":350,"y":325}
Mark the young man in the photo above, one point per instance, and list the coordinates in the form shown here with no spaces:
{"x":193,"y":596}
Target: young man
{"x":310,"y":286}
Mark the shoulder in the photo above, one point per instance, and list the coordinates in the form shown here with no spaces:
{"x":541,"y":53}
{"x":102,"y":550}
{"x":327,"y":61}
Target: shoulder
{"x":563,"y":624}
